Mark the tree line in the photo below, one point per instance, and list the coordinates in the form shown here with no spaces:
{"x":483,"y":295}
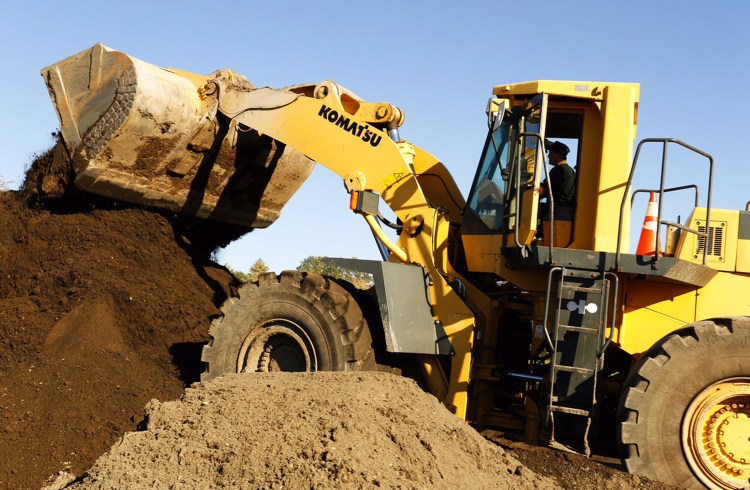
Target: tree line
{"x":313,"y":264}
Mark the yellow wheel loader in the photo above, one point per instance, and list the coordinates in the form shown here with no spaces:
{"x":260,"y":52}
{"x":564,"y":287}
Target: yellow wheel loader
{"x":533,"y":319}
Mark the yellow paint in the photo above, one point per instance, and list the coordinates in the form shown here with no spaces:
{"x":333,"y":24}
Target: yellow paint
{"x":726,"y":294}
{"x":654,"y":308}
{"x":641,"y":328}
{"x":643,"y":325}
{"x":393,"y":178}
{"x":618,"y":134}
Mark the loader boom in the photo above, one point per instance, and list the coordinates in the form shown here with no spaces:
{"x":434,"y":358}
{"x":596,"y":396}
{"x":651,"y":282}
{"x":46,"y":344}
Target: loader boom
{"x":326,"y":128}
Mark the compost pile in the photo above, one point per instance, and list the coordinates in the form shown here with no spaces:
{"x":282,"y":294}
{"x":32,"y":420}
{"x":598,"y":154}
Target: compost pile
{"x":104,"y":308}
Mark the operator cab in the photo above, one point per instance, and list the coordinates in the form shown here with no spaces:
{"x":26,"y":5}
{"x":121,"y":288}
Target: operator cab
{"x":507,"y":196}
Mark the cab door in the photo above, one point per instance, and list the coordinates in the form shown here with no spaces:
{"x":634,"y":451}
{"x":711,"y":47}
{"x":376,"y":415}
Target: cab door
{"x":504,"y":198}
{"x":529,"y":169}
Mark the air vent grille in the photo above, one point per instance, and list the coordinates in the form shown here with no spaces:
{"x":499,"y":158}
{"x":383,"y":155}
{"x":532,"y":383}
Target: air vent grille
{"x":715,"y":241}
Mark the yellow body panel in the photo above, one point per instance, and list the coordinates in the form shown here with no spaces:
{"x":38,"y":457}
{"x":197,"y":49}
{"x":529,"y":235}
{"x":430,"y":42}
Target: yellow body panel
{"x":727,"y":294}
{"x":617,"y":153}
{"x":655,"y":308}
{"x":652,"y":310}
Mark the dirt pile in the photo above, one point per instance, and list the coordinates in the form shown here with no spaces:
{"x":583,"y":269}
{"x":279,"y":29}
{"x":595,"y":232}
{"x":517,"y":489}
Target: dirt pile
{"x":102,"y":308}
{"x":319,"y":430}
{"x":575,"y":471}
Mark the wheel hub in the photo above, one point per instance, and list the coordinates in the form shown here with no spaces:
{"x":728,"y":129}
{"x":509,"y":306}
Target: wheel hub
{"x":716,"y":434}
{"x":277,"y":345}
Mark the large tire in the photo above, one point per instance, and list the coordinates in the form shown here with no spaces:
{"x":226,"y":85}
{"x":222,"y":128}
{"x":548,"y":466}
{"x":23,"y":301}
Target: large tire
{"x":685,"y":412}
{"x":291,"y":322}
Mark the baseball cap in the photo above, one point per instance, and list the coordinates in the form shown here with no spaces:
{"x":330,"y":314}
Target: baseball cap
{"x":557,"y":147}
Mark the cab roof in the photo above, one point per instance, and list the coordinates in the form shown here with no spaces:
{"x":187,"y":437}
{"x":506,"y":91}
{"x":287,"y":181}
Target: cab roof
{"x":564,"y":88}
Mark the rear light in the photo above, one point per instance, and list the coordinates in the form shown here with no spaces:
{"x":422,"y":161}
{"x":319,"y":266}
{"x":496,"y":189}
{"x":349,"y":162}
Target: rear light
{"x":364,"y":202}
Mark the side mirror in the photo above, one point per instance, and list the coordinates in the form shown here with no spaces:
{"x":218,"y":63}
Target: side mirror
{"x":496,"y":111}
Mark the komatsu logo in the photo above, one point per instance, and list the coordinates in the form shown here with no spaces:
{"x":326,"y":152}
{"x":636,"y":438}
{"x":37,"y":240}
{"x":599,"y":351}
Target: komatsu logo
{"x":353,"y":127}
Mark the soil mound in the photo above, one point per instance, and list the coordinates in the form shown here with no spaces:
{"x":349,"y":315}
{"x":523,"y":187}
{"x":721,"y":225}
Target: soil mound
{"x":295,"y":430}
{"x":102,"y":308}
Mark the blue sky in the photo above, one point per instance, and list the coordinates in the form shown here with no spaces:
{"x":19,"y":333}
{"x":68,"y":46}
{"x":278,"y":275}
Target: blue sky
{"x":436,"y":60}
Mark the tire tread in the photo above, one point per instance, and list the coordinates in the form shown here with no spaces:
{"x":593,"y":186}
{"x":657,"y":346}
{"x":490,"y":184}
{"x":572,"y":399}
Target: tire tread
{"x":347,"y":321}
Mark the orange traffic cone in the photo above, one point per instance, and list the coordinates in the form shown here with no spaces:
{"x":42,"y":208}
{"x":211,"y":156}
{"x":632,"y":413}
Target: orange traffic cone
{"x":647,"y":244}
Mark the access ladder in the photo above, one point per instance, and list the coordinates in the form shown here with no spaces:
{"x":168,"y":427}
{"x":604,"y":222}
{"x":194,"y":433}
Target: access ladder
{"x":578,"y":344}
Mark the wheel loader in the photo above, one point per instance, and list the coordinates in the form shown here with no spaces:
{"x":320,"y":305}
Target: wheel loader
{"x":539,"y":323}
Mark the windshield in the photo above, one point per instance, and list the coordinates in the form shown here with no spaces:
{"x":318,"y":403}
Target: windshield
{"x":488,"y":194}
{"x":501,"y":195}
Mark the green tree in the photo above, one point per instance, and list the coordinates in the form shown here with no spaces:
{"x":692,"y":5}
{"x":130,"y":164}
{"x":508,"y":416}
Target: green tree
{"x":241,"y":276}
{"x":259,"y":267}
{"x":315,"y":264}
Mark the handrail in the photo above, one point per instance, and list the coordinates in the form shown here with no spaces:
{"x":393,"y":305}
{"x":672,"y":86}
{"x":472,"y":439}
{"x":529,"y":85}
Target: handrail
{"x":611,"y":335}
{"x":662,"y":190}
{"x":550,"y":198}
{"x":546,"y":307}
{"x":671,"y":189}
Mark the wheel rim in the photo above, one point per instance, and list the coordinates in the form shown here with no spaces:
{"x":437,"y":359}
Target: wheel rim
{"x":716,"y":434}
{"x":277,"y":345}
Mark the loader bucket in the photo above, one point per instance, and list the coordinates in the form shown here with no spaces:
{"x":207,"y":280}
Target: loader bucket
{"x":151,"y":136}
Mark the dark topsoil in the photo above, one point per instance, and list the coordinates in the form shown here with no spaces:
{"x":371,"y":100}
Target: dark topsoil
{"x":104,"y":306}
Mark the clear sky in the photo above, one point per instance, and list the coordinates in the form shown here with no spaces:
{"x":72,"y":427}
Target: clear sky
{"x":436,"y":60}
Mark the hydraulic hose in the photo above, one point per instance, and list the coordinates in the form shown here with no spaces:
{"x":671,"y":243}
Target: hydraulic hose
{"x":395,"y":250}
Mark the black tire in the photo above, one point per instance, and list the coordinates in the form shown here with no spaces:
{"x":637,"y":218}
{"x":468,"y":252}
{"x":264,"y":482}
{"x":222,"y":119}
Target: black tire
{"x":662,"y":434}
{"x":291,"y":322}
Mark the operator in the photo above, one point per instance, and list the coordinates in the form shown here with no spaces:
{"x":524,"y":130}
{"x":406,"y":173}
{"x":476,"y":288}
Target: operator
{"x":563,"y":183}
